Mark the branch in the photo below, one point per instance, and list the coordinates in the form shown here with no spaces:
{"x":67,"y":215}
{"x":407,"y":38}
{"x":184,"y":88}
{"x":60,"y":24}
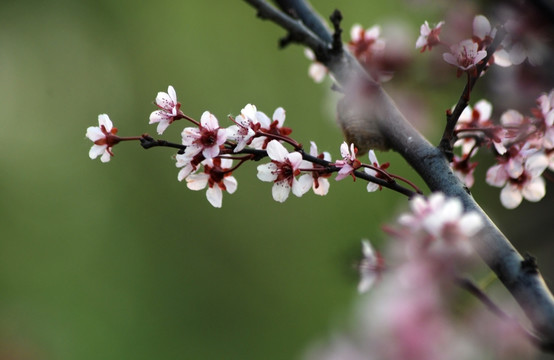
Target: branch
{"x":526,"y":285}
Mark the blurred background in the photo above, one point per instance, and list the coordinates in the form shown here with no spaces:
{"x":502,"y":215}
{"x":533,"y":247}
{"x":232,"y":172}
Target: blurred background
{"x":120,"y":260}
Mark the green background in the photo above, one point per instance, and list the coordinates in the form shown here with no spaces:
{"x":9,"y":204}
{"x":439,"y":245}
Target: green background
{"x":120,"y":260}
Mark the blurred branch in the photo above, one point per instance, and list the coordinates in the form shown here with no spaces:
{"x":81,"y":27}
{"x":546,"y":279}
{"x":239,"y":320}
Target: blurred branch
{"x":525,"y":284}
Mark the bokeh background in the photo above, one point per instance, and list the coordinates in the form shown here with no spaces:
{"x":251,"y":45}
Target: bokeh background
{"x":120,"y":260}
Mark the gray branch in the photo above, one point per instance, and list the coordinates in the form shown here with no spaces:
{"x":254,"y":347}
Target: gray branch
{"x":520,"y":276}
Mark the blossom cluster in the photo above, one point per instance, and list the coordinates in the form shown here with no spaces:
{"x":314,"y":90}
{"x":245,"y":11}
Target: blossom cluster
{"x":409,"y":313}
{"x":468,"y":53}
{"x":523,"y":147}
{"x":209,"y":154}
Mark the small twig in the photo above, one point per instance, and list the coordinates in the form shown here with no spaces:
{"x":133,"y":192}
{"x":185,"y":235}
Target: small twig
{"x":446,"y":144}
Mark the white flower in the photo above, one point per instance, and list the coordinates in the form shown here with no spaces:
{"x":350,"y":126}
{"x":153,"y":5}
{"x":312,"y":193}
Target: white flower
{"x":465,"y":55}
{"x":169,"y":109}
{"x":349,"y":163}
{"x":440,"y":225}
{"x":217,"y":177}
{"x":271,"y":126}
{"x":205,"y":139}
{"x":282,"y":171}
{"x":370,"y":267}
{"x":243,"y":131}
{"x":428,"y":37}
{"x":529,"y":185}
{"x":103,"y":137}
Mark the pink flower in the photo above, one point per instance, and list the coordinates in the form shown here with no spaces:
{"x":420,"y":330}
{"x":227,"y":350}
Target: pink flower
{"x":439,"y":225}
{"x":282,"y":171}
{"x":205,"y":139}
{"x":104,"y":138}
{"x":272,"y":126}
{"x":320,"y":183}
{"x":317,"y":71}
{"x":217,"y":177}
{"x":371,"y":267}
{"x":244,"y":130}
{"x":169,"y":110}
{"x":429,"y":37}
{"x":349,"y":163}
{"x":526,"y":182}
{"x":465,"y":55}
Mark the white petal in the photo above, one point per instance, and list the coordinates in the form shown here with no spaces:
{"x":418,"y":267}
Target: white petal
{"x":355,"y":32}
{"x":534,"y":190}
{"x":317,"y":72}
{"x":94,"y":133}
{"x":496,"y":176}
{"x":197,"y":181}
{"x":481,"y":26}
{"x":536,"y":164}
{"x":249,"y":111}
{"x":211,"y":152}
{"x":366,"y":282}
{"x":511,"y":118}
{"x":484,"y":108}
{"x":105,"y":157}
{"x":97,"y":150}
{"x":302,"y":185}
{"x":373,"y":158}
{"x":104,"y":119}
{"x":209,"y":121}
{"x":323,"y":187}
{"x":263,"y":119}
{"x":280,"y":191}
{"x":162,"y":125}
{"x":172,"y":94}
{"x":279,"y":114}
{"x":510,"y":197}
{"x":164,"y":101}
{"x":277,"y":151}
{"x":215,"y":196}
{"x":371,"y":187}
{"x":267,"y":172}
{"x":230,"y":184}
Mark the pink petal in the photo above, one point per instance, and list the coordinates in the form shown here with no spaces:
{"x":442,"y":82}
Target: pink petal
{"x":323,"y":187}
{"x":230,"y":184}
{"x":209,"y":121}
{"x":302,"y":185}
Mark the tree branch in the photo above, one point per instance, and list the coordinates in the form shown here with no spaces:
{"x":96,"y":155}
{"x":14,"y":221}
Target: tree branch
{"x":527,"y":287}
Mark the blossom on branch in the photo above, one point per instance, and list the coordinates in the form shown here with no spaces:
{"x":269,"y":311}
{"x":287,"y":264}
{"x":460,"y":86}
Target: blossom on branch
{"x":428,"y":37}
{"x":170,"y":110}
{"x":465,"y":55}
{"x":104,"y":138}
{"x":520,"y":178}
{"x":273,"y":126}
{"x":371,"y":187}
{"x":320,"y":182}
{"x":283,"y":170}
{"x":217,"y":177}
{"x":205,"y":139}
{"x":349,"y":163}
{"x":244,"y":128}
{"x":439,"y":226}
